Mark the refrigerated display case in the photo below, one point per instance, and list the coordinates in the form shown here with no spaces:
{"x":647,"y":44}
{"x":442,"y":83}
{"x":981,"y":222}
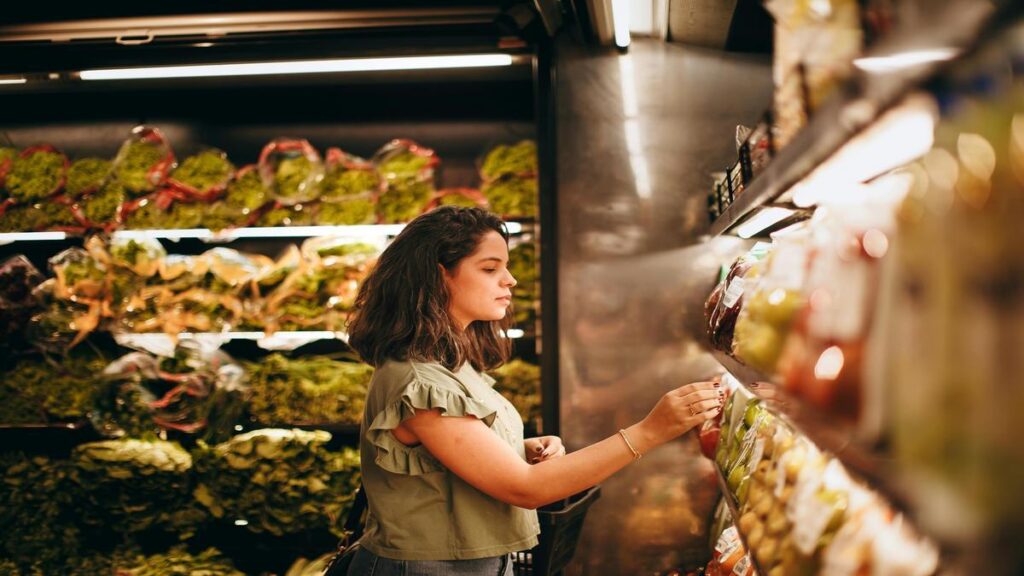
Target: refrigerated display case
{"x":879,"y":329}
{"x":316,"y":86}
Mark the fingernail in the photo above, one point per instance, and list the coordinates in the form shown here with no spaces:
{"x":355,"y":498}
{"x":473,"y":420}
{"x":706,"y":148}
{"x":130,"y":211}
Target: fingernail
{"x":538,"y":449}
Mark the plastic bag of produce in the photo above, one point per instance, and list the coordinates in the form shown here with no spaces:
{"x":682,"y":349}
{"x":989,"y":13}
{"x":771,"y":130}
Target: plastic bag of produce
{"x":141,"y":256}
{"x":203,"y":176}
{"x":406,"y":170}
{"x":307,"y":391}
{"x":36,"y":173}
{"x":18,"y":280}
{"x":723,"y":305}
{"x":519,"y":382}
{"x":522,"y":263}
{"x":103,"y":208}
{"x":86,"y":175}
{"x":291,"y":170}
{"x":246,"y":190}
{"x":278,"y":214}
{"x":769,"y":311}
{"x":7,"y":156}
{"x":467,"y":197}
{"x":143,"y":161}
{"x":518,"y":159}
{"x":349,"y":190}
{"x":512,"y":196}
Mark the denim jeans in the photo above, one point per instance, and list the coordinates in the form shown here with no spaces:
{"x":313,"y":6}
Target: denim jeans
{"x":367,"y":563}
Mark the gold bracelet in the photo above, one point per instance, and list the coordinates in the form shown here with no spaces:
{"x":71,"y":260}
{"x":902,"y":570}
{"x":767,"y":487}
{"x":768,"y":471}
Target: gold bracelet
{"x":636,"y":455}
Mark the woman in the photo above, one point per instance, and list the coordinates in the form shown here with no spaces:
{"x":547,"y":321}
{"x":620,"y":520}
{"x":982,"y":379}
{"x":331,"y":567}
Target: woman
{"x":451,"y":483}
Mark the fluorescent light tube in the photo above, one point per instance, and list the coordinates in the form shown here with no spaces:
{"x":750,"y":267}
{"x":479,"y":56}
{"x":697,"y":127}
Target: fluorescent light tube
{"x":8,"y":237}
{"x":762,"y":219}
{"x":359,"y":231}
{"x":620,"y":19}
{"x":301,"y":67}
{"x":894,"y":62}
{"x":13,"y":80}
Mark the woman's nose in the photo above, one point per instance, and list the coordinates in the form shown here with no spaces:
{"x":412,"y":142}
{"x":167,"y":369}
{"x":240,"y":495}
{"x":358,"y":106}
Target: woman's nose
{"x":510,"y":280}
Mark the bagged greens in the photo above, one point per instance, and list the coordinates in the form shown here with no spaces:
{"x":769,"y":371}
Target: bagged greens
{"x":36,"y":173}
{"x":519,"y":159}
{"x":86,"y":175}
{"x":307,"y":390}
{"x":519,"y":382}
{"x":278,"y":481}
{"x":143,"y":161}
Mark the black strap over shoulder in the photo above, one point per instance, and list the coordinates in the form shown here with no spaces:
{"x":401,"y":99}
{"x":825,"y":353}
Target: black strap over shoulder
{"x":354,"y":523}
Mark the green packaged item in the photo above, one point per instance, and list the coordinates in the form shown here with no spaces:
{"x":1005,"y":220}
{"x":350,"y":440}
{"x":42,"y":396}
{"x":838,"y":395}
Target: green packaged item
{"x":519,"y":382}
{"x":404,"y":200}
{"x":138,"y":165}
{"x":86,"y":175}
{"x":512,"y":196}
{"x":348,"y":212}
{"x":308,"y":390}
{"x":519,"y":159}
{"x":522,"y":264}
{"x":35,"y":174}
{"x":205,"y":172}
{"x":101,"y":207}
{"x":247,"y":191}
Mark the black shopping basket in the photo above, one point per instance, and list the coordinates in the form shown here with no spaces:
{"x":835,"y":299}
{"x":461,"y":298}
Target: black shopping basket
{"x":560,"y":527}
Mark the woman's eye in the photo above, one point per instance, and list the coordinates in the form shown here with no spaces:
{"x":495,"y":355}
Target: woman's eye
{"x":489,"y":270}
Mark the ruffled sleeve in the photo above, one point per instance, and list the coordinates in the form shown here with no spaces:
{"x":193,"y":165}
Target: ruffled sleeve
{"x":419,"y":394}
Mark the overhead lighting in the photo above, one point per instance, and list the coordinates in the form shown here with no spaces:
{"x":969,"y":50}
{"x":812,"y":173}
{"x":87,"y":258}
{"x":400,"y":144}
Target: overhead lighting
{"x":8,"y":237}
{"x":895,"y":62}
{"x":900,"y":136}
{"x":13,"y":80}
{"x":301,"y":67}
{"x":620,"y":19}
{"x":514,"y":333}
{"x":764,"y":218}
{"x":357,"y":231}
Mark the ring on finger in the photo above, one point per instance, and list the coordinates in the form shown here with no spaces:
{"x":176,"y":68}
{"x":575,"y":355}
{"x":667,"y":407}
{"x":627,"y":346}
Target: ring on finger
{"x":690,"y":408}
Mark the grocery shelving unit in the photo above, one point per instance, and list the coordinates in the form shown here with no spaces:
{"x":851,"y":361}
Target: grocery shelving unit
{"x":855,"y":109}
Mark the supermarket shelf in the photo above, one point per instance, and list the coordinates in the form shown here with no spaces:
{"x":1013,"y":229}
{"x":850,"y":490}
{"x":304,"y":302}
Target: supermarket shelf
{"x":52,"y":438}
{"x":367,"y":231}
{"x":858,"y":103}
{"x":163,"y":344}
{"x":825,"y":433}
{"x":734,"y":509}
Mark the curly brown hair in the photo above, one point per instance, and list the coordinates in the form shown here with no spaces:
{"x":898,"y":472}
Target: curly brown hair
{"x":401,"y":311}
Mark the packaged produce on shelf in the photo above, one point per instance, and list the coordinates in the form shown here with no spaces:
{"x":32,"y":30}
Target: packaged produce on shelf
{"x":45,"y":389}
{"x":768,"y":310}
{"x":279,"y":215}
{"x":466,"y":197}
{"x":18,"y":302}
{"x":722,"y":307}
{"x":36,"y":173}
{"x":203,"y":176}
{"x":348,"y":192}
{"x":523,"y":265}
{"x":729,"y":556}
{"x":307,"y":390}
{"x":102,"y":209}
{"x":512,"y":196}
{"x":955,"y":324}
{"x":406,"y":171}
{"x":7,"y":156}
{"x":194,"y":392}
{"x":800,"y":513}
{"x":815,"y":45}
{"x":246,"y":190}
{"x":127,"y":486}
{"x":825,"y":354}
{"x":143,"y":161}
{"x":519,"y":159}
{"x":519,"y":381}
{"x":86,"y":175}
{"x":280,"y":481}
{"x":292,"y":170}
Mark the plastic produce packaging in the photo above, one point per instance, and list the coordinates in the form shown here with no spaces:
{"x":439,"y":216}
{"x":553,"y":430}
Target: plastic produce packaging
{"x":86,"y":175}
{"x":406,"y":170}
{"x":143,"y":161}
{"x":725,"y":302}
{"x":291,"y":170}
{"x":36,"y":173}
{"x":518,"y":159}
{"x":203,"y":176}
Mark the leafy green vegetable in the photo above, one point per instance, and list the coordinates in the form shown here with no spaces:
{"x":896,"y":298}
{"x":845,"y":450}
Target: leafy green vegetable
{"x":403,"y":166}
{"x":341,"y":184}
{"x":278,"y":481}
{"x":354,"y":210}
{"x":519,"y":381}
{"x":37,"y":390}
{"x":86,"y":175}
{"x":457,"y":200}
{"x":247,"y":191}
{"x":205,"y":170}
{"x":404,"y":200}
{"x":519,"y":159}
{"x":309,"y":390}
{"x":35,"y":176}
{"x":7,"y":153}
{"x":299,"y":215}
{"x":148,"y":216}
{"x":221,"y":215}
{"x":293,"y":177}
{"x":130,"y":485}
{"x":101,"y":206}
{"x":522,"y":264}
{"x":512,"y":196}
{"x":133,"y":165}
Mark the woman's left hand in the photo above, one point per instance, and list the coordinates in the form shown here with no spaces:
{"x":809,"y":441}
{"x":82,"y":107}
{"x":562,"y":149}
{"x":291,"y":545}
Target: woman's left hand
{"x":543,"y":448}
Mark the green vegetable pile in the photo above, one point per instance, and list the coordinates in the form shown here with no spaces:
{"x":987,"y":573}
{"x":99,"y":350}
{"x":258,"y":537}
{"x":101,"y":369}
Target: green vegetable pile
{"x":512,"y":196}
{"x":7,"y":153}
{"x":519,"y":159}
{"x":41,"y":216}
{"x":148,"y":216}
{"x":404,"y":200}
{"x":341,"y":184}
{"x":522,"y":264}
{"x":177,"y":562}
{"x":294,"y":176}
{"x":457,"y":199}
{"x":519,"y":381}
{"x":86,"y":175}
{"x":129,"y":485}
{"x":133,"y":164}
{"x":298,"y":215}
{"x":40,"y":390}
{"x":204,"y":171}
{"x":220,"y":215}
{"x":101,"y":206}
{"x":35,"y":176}
{"x":278,"y":481}
{"x":36,"y":508}
{"x":308,"y":390}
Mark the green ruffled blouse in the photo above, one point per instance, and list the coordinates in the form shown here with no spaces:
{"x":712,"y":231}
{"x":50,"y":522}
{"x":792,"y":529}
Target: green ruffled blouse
{"x":418,"y":509}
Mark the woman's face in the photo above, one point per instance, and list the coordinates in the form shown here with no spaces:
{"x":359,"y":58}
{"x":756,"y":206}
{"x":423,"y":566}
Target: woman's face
{"x":480,"y":285}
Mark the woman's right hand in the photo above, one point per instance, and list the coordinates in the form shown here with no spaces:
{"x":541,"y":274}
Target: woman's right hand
{"x":679,"y":411}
